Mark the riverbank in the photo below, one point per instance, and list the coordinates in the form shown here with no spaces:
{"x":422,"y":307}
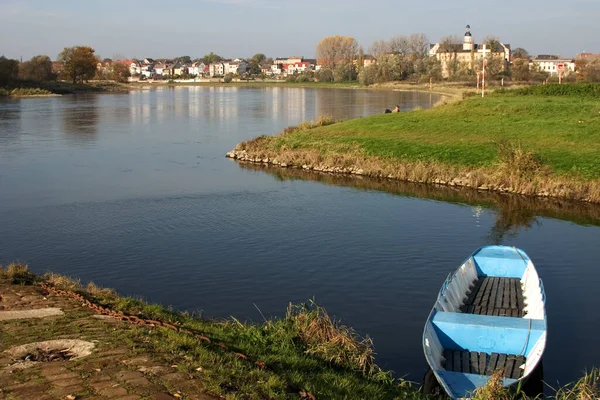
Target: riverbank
{"x":539,"y":141}
{"x":304,"y":355}
{"x":61,"y":339}
{"x":56,"y":88}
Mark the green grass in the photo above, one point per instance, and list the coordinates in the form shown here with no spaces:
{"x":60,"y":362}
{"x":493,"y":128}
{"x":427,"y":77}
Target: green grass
{"x":563,"y":131}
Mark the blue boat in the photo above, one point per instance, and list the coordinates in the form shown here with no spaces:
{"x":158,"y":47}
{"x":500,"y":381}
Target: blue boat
{"x":489,"y":316}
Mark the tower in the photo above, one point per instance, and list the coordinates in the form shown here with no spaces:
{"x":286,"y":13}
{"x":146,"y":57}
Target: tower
{"x":468,"y":42}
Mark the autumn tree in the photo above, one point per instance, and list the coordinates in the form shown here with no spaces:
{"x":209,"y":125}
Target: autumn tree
{"x":79,"y":63}
{"x":39,"y":68}
{"x":120,"y":72}
{"x":9,"y":70}
{"x":335,"y":50}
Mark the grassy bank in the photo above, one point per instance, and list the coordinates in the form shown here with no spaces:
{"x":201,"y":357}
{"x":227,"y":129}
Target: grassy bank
{"x":35,"y":88}
{"x":305,"y":355}
{"x":542,"y":140}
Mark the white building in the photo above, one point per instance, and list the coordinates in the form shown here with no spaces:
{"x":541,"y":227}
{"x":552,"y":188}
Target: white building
{"x":216,"y":69}
{"x":549,"y":64}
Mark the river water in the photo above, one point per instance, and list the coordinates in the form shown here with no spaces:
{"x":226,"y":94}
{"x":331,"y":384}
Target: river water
{"x":132,"y":191}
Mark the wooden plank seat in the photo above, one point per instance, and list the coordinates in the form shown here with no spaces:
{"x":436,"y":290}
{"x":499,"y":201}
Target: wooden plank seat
{"x":472,"y":362}
{"x":492,"y":295}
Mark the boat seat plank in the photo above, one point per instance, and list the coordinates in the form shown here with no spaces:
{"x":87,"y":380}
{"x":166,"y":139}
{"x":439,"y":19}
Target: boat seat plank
{"x":482,"y":363}
{"x":492,"y":364}
{"x":456,"y":361}
{"x":448,"y":356}
{"x":495,"y":296}
{"x":474,"y":362}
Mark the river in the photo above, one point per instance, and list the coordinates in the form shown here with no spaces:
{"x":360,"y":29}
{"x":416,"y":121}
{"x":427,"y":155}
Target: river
{"x":133,"y":191}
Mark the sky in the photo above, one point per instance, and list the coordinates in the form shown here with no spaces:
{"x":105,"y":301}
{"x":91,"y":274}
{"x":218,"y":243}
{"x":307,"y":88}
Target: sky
{"x":282,"y":28}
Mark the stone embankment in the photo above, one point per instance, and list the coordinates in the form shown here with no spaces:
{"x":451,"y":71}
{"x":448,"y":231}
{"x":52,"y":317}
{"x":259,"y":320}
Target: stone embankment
{"x":478,"y":179}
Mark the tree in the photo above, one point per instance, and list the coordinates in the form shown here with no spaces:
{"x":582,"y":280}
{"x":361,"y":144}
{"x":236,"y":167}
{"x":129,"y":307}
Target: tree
{"x":184,"y":59}
{"x":520,"y":69}
{"x":79,"y":63}
{"x":120,"y":72}
{"x":493,"y":43}
{"x":256,"y":63}
{"x":39,"y":68}
{"x":335,"y":50}
{"x":520,"y":53}
{"x":9,"y":70}
{"x":324,"y":75}
{"x":211,"y":58}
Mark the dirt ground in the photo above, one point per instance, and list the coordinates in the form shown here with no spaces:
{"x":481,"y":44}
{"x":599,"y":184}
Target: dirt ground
{"x":117,"y":368}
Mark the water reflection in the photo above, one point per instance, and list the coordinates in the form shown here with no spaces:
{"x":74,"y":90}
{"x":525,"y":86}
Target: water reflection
{"x":221,"y":104}
{"x":80,"y":118}
{"x":514,"y":213}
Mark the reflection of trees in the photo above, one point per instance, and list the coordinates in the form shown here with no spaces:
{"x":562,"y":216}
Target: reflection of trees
{"x":80,"y":119}
{"x":513,"y":212}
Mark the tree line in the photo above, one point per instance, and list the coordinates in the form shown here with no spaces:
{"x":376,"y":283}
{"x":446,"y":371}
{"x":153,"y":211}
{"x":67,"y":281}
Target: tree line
{"x":76,"y":64}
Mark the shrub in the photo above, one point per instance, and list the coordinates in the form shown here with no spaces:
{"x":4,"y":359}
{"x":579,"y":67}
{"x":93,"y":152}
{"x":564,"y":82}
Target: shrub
{"x":3,"y":92}
{"x":228,"y":78}
{"x":290,"y":79}
{"x":579,"y":89}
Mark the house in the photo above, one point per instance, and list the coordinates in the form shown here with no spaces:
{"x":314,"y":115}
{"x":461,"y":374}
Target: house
{"x":236,"y":67}
{"x":550,"y":63}
{"x":196,"y":68}
{"x":216,"y":69}
{"x":466,"y":54}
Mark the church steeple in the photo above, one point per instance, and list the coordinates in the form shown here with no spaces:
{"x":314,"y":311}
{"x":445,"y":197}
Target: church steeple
{"x":468,"y":42}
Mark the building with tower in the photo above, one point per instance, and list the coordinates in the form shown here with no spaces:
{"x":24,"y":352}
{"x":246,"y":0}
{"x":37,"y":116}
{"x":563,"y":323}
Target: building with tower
{"x":456,"y":57}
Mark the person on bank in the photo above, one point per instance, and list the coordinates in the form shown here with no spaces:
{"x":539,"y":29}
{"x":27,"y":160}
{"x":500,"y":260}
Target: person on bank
{"x":388,"y":111}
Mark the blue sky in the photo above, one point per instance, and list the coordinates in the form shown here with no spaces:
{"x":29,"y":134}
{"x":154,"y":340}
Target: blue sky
{"x":278,"y":28}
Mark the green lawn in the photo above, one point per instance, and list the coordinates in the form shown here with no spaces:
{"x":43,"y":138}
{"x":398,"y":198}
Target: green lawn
{"x":562,"y":130}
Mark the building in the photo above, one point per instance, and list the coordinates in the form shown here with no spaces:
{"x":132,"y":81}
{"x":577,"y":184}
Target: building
{"x":550,"y":63}
{"x":467,"y":54}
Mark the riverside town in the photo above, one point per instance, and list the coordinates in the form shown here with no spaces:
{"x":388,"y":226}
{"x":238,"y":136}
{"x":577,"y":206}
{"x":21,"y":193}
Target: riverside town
{"x":287,"y":213}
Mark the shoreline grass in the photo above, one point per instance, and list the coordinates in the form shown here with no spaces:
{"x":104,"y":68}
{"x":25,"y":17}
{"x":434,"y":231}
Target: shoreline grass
{"x":543,"y":142}
{"x":306,"y":355}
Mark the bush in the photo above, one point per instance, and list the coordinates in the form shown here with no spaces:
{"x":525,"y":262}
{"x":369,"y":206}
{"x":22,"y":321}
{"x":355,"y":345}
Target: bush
{"x":325,"y":75}
{"x":290,"y":78}
{"x":579,"y":89}
{"x":3,"y":92}
{"x":228,"y":78}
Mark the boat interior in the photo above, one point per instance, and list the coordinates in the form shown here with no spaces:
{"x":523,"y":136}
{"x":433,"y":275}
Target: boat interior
{"x":489,"y":316}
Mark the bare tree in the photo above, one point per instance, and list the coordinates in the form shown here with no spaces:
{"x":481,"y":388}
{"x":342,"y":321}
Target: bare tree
{"x":399,"y":45}
{"x":378,"y":48}
{"x":520,"y":52}
{"x":419,"y":44}
{"x":493,"y":43}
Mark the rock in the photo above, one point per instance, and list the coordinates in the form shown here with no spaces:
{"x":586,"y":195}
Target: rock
{"x":305,"y":166}
{"x":284,"y":165}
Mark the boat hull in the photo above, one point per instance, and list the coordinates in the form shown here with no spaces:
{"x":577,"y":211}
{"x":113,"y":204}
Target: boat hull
{"x":489,"y":317}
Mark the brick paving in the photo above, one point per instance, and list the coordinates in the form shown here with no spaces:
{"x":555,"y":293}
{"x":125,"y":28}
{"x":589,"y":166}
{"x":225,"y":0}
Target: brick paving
{"x":114,"y":370}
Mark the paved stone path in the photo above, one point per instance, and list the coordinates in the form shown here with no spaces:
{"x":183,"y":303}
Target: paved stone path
{"x":116,"y":369}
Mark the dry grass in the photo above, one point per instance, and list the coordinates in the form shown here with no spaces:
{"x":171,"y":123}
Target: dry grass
{"x":63,"y":282}
{"x":330,"y":340}
{"x":494,"y":389}
{"x":17,"y":273}
{"x":586,"y":388}
{"x":518,"y":171}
